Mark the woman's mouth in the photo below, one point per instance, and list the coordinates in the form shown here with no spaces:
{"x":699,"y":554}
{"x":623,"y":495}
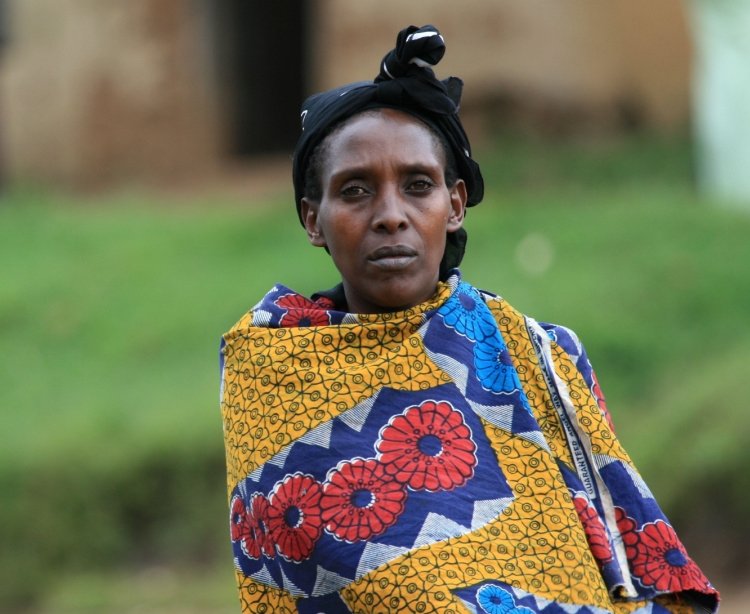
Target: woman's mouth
{"x":392,"y":257}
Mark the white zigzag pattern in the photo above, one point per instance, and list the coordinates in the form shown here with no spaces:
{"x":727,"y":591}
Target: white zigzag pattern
{"x":374,"y":555}
{"x":602,"y":461}
{"x":319,"y":436}
{"x":356,"y":417}
{"x":536,"y":437}
{"x":487,"y":510}
{"x":328,"y":582}
{"x":437,"y":528}
{"x":291,"y":587}
{"x":279,"y":458}
{"x":542,"y":603}
{"x":499,"y":415}
{"x":261,"y":317}
{"x":264,"y":577}
{"x":469,"y":606}
{"x":502,"y":417}
{"x":457,"y":370}
{"x":255,"y":474}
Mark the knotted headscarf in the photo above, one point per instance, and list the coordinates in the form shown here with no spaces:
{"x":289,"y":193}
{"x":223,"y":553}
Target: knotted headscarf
{"x":407,"y":83}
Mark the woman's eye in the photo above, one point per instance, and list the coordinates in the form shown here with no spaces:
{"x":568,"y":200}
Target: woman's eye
{"x":420,"y":185}
{"x":352,"y":191}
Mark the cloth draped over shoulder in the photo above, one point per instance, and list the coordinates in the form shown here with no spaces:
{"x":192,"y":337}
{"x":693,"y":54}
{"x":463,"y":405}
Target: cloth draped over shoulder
{"x":454,"y":457}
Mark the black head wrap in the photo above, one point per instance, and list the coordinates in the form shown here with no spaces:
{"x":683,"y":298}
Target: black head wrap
{"x":406,"y":82}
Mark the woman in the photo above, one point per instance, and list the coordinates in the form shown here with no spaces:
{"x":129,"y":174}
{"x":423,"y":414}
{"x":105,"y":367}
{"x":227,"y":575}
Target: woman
{"x":406,"y":442}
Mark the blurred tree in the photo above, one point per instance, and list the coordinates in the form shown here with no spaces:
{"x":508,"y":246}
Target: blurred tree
{"x":722,"y":97}
{"x":3,"y":39}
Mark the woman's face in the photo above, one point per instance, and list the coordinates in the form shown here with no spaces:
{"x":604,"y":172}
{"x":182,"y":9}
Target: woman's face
{"x":385,"y":210}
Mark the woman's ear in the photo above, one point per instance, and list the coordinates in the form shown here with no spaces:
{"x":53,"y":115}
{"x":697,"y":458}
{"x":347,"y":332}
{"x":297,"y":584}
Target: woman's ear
{"x":458,"y":197}
{"x":309,"y":210}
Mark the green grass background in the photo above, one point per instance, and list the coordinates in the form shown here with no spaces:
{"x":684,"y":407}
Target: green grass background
{"x":111,"y":309}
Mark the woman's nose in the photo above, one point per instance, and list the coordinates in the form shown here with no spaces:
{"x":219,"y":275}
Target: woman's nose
{"x":390,"y":211}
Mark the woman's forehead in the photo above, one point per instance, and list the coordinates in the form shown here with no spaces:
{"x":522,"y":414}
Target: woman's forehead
{"x":383,"y":133}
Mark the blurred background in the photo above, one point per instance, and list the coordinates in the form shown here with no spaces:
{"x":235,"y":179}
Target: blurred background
{"x":146,"y":203}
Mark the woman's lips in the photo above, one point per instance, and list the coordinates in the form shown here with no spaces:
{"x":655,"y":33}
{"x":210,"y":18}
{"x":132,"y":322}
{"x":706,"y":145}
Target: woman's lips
{"x":393,"y":257}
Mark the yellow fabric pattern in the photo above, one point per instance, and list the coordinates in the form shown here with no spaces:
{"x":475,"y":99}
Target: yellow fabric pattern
{"x":589,"y":415}
{"x":536,"y":544}
{"x":281,"y":383}
{"x":513,"y":327}
{"x":260,"y":598}
{"x":448,"y":458}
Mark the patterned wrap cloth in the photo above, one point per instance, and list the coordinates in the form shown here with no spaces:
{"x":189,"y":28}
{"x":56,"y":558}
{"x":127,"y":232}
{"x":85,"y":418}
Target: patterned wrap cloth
{"x":454,"y":457}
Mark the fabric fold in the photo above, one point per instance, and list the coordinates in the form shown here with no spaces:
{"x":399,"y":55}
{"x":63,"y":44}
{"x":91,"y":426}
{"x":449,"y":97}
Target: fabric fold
{"x":453,"y":455}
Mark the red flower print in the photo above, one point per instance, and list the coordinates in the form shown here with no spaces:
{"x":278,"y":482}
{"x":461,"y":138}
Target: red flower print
{"x":624,"y":522}
{"x":304,"y":317}
{"x":601,"y":402}
{"x":294,"y":301}
{"x":302,"y":311}
{"x":428,"y":447}
{"x":258,"y":539}
{"x":294,"y":521}
{"x":596,"y":533}
{"x":627,"y":527}
{"x":660,"y":560}
{"x":237,"y":519}
{"x":361,"y":500}
{"x":323,"y":302}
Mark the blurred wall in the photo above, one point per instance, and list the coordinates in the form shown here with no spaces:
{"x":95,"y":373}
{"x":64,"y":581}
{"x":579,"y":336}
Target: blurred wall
{"x":96,"y":92}
{"x":102,"y":91}
{"x":722,"y":99}
{"x":609,"y":59}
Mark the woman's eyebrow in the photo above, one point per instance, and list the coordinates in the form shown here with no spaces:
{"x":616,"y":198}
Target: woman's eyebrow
{"x":407,"y":168}
{"x":417,"y":168}
{"x":350,"y":172}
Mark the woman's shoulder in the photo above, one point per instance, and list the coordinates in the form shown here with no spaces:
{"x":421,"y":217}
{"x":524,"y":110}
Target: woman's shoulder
{"x":282,"y":307}
{"x":260,"y":312}
{"x":528,"y":332}
{"x":507,"y":314}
